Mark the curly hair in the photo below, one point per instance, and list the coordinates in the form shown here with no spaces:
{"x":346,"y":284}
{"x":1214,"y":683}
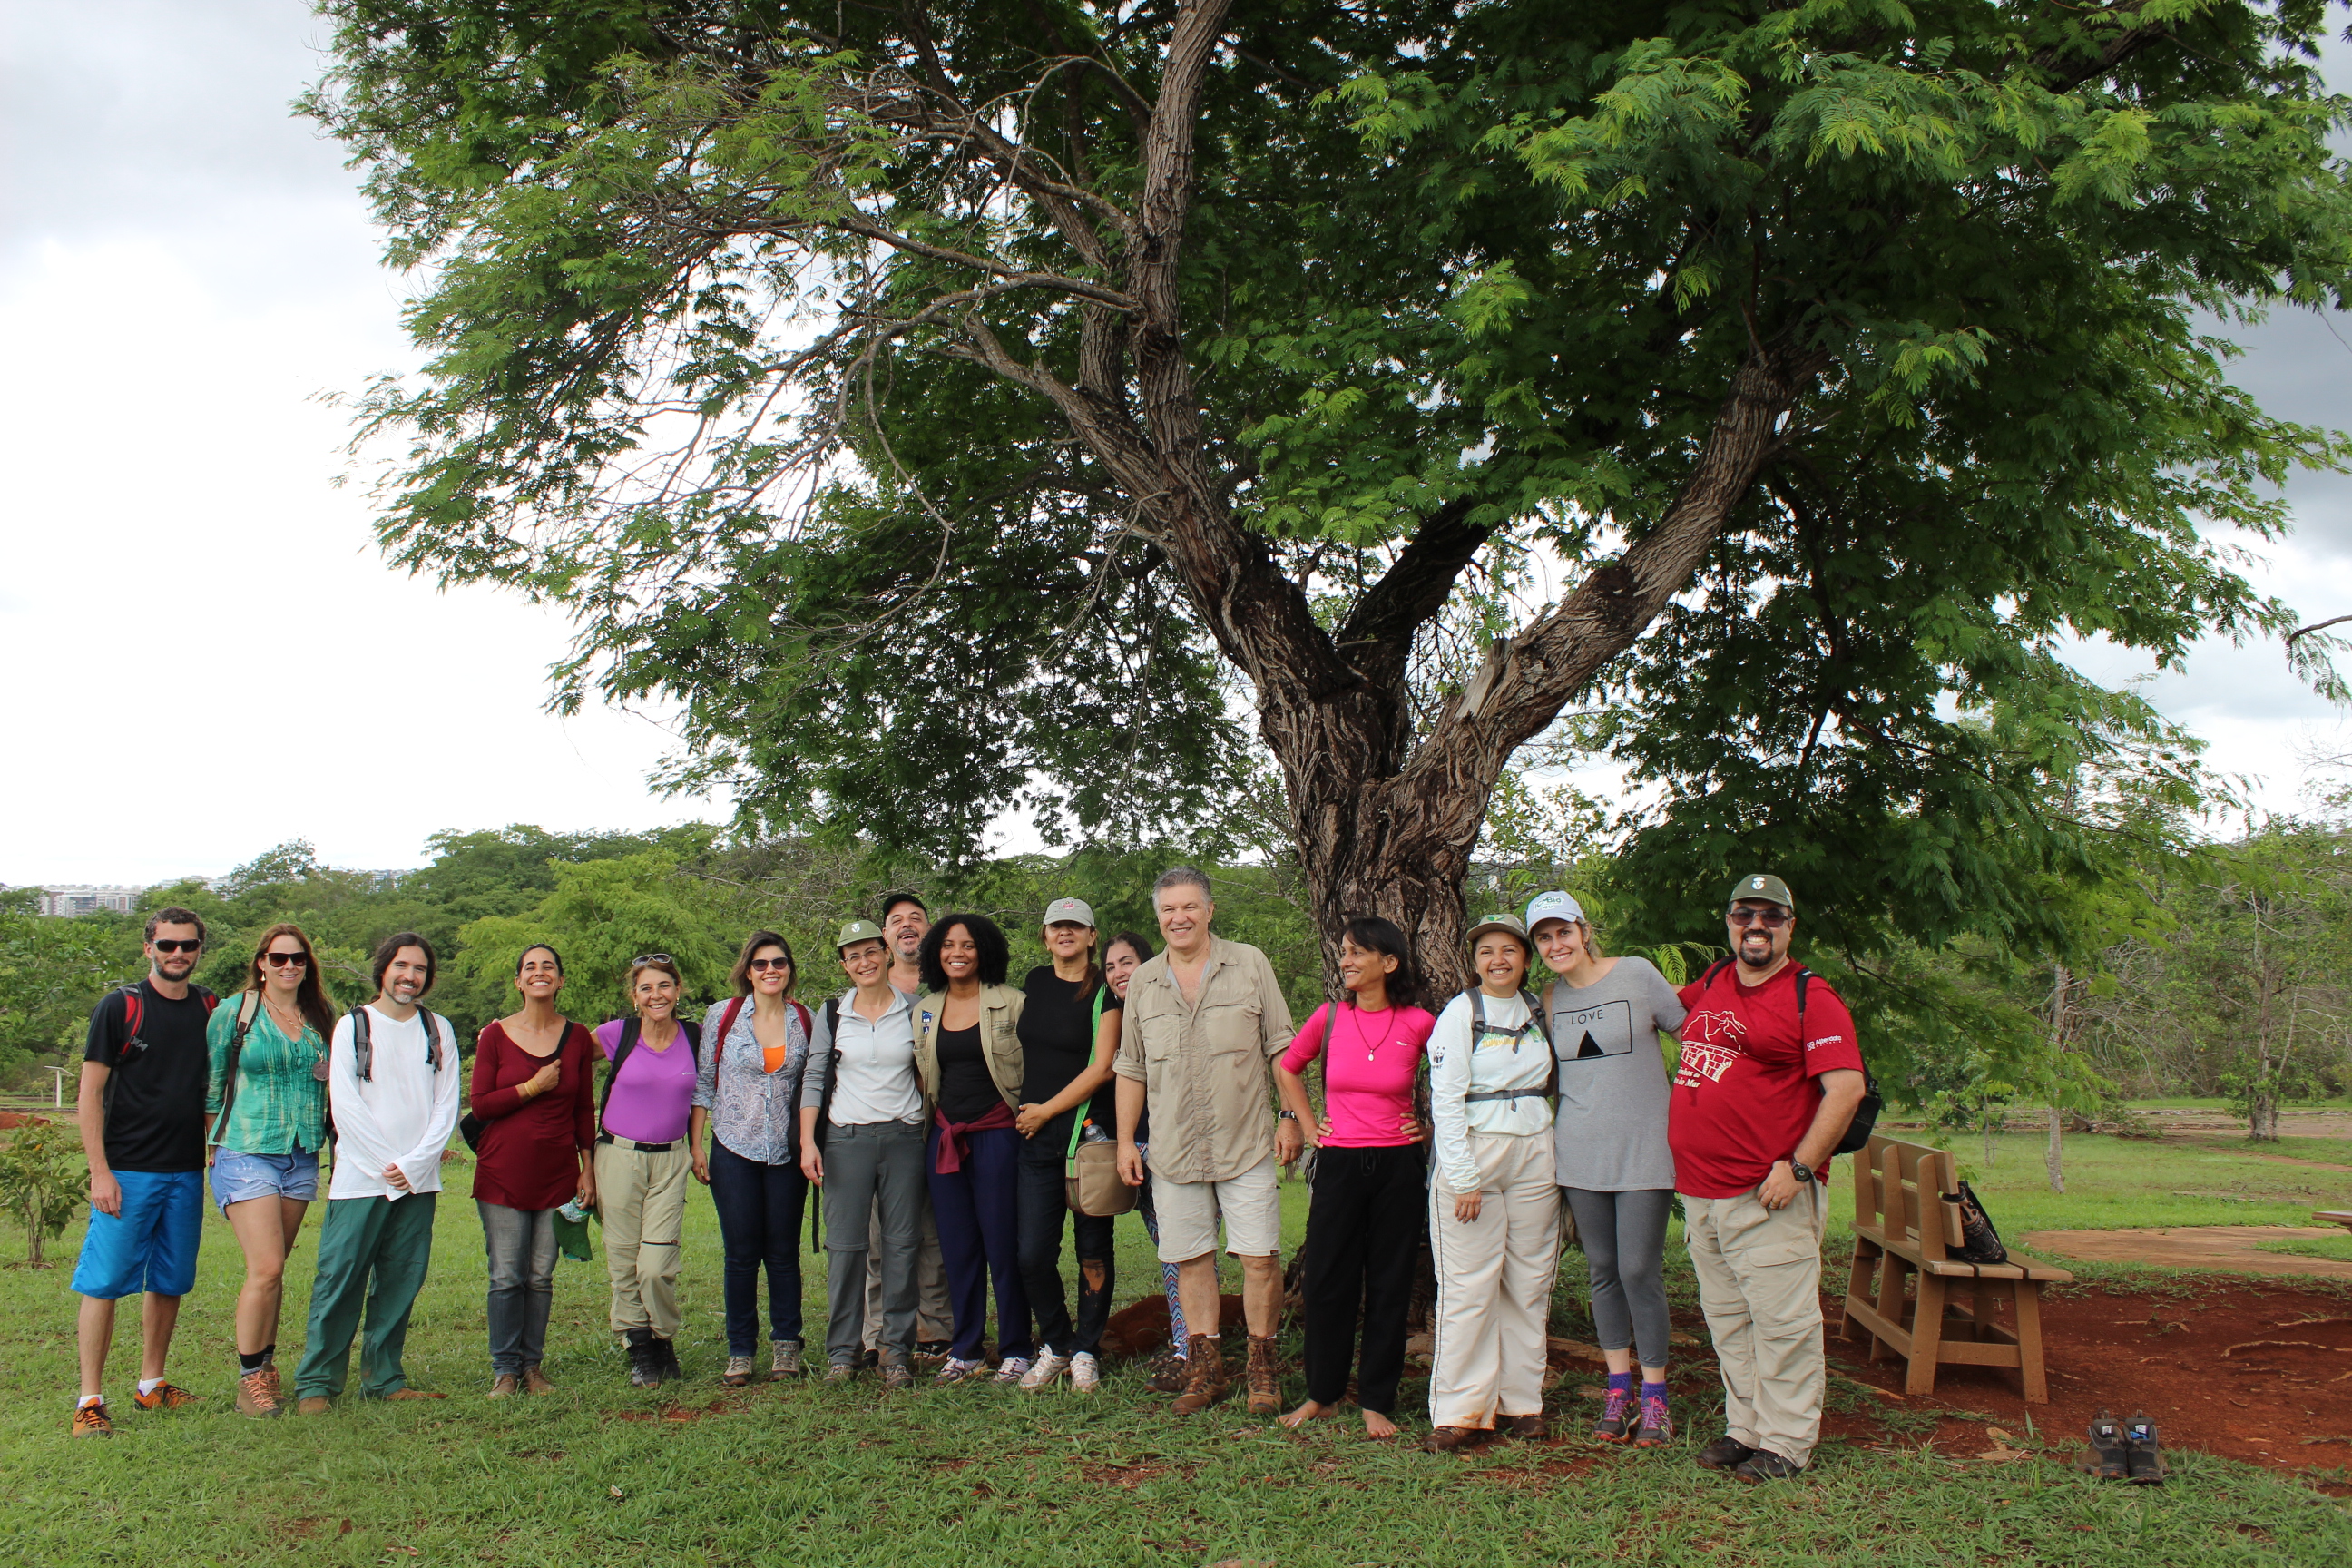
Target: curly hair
{"x":995,"y":952}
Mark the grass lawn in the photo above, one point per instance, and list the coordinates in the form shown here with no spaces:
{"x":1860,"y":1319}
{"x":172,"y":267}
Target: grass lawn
{"x":2114,"y":1183}
{"x":804,"y":1474}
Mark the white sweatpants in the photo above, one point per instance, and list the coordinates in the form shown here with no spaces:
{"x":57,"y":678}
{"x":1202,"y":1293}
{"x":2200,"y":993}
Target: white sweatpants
{"x":1493,"y":1284}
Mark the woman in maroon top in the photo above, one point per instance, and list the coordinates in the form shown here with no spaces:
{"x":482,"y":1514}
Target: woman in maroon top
{"x":534,"y":1090}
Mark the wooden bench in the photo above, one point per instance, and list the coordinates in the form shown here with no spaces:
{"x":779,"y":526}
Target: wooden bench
{"x":1915,"y":1302}
{"x":2334,"y":1217}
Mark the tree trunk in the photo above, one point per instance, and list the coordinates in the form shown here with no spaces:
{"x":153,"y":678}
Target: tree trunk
{"x":2053,"y":1157}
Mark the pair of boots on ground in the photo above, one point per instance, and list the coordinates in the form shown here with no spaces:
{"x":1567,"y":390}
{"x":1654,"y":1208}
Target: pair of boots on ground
{"x":653,"y":1360}
{"x":1200,"y":1379}
{"x":2124,"y":1451}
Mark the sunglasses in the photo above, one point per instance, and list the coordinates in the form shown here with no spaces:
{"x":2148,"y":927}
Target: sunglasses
{"x":760,"y":966}
{"x":645,"y":958}
{"x":165,"y":944}
{"x":1770,"y":919}
{"x":282,"y":959}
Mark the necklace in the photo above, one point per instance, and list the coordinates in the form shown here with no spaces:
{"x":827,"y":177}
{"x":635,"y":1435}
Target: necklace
{"x":292,"y":1029}
{"x":1372,"y":1049}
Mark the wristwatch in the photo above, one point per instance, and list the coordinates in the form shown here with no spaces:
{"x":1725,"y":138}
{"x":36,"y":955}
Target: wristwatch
{"x":1798,"y":1169}
{"x":1287,"y":1115}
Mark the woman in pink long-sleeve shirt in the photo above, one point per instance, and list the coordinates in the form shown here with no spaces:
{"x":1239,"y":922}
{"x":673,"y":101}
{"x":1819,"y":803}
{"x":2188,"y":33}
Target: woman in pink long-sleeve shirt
{"x":1363,"y":1218}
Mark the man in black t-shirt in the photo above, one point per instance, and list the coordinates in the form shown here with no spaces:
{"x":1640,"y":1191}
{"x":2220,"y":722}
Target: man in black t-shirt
{"x":140,"y":1110}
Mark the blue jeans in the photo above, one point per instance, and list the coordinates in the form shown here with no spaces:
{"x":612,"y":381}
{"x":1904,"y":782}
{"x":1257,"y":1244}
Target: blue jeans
{"x":977,"y":1211}
{"x":759,"y":1207}
{"x":522,"y":1247}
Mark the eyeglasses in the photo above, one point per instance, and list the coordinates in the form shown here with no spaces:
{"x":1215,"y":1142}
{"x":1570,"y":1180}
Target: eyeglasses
{"x":281,"y":959}
{"x":1770,"y":919}
{"x":165,"y":944}
{"x":645,"y":958}
{"x":760,"y":966}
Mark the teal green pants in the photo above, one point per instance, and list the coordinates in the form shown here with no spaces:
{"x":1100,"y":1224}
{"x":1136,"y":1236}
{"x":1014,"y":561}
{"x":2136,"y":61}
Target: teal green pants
{"x":373,"y":1252}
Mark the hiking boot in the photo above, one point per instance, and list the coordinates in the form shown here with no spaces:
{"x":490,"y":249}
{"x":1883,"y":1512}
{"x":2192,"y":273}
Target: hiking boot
{"x":1204,"y":1380}
{"x":783,"y":1360}
{"x":1012,"y":1369}
{"x":1526,"y":1429}
{"x":1455,"y":1439}
{"x":1764,"y":1465}
{"x":1618,"y":1416}
{"x":1265,"y":1377}
{"x":314,"y":1404}
{"x":1657,"y":1429}
{"x":898,"y":1374}
{"x":253,"y":1396}
{"x":2142,"y":1461}
{"x":1726,"y":1453}
{"x":841,"y":1372}
{"x":1086,"y":1373}
{"x":91,"y":1420}
{"x":955,"y":1369}
{"x":505,"y":1386}
{"x":1045,"y":1370}
{"x":276,"y":1389}
{"x":645,"y":1362}
{"x":738,"y":1373}
{"x":667,"y":1350}
{"x":2109,"y":1457}
{"x":1166,"y":1373}
{"x":164,"y":1396}
{"x":535,"y":1381}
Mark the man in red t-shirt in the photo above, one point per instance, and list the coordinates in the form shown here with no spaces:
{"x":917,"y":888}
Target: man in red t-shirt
{"x":1769,"y":1077}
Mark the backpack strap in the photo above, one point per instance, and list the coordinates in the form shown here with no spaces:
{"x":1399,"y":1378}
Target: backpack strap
{"x":249,"y":1006}
{"x":631,"y":1029}
{"x":824,"y":1106}
{"x":725,"y":1026}
{"x":133,"y":1012}
{"x":432,"y":1037}
{"x":362,"y":1045}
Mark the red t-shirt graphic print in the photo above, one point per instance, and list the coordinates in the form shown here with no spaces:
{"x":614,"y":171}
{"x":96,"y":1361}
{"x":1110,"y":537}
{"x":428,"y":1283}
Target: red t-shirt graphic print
{"x":1744,"y":1092}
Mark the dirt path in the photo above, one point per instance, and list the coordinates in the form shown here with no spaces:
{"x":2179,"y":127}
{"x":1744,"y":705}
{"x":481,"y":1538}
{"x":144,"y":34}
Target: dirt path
{"x":2230,"y":1247}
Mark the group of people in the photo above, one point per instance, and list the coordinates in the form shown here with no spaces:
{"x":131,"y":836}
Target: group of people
{"x":941,"y":1115}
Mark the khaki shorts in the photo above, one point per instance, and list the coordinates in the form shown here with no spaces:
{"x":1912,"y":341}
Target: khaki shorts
{"x":1250,"y":1204}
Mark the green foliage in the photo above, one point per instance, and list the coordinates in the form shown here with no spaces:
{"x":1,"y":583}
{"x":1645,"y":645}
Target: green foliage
{"x":601,"y":914}
{"x":41,"y":1181}
{"x":51,"y":970}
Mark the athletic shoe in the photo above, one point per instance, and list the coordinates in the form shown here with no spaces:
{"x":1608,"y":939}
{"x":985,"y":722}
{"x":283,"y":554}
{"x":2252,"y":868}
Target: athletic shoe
{"x":1086,"y":1373}
{"x":1726,"y":1453}
{"x":253,"y":1396}
{"x":1013,"y":1369}
{"x":783,"y":1360}
{"x":957,"y":1370}
{"x":2109,"y":1455}
{"x":933,"y":1349}
{"x":1617,"y":1417}
{"x":1045,"y":1371}
{"x":164,"y":1396}
{"x":898,"y":1374}
{"x":738,"y":1373}
{"x":1764,"y":1465}
{"x":1658,"y":1427}
{"x":91,"y":1420}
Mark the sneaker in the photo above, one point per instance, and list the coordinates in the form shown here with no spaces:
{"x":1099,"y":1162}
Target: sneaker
{"x":1043,"y":1372}
{"x":898,"y":1374}
{"x":2109,"y":1455}
{"x":1013,"y":1369}
{"x":1726,"y":1453}
{"x":1618,"y":1414}
{"x":1657,"y":1427}
{"x":1086,"y":1373}
{"x":1764,"y":1465}
{"x":91,"y":1420}
{"x":933,"y":1349}
{"x":957,"y":1370}
{"x":783,"y":1360}
{"x":164,"y":1396}
{"x":253,"y":1396}
{"x":841,"y":1372}
{"x":2143,"y":1459}
{"x":738,"y":1373}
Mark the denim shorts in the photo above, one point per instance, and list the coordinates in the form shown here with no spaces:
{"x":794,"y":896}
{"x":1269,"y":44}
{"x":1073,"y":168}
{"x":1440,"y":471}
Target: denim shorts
{"x":236,"y":1176}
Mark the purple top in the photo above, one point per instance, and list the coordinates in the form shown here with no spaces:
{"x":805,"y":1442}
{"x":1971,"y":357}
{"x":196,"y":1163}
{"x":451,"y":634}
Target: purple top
{"x":652,"y":1096}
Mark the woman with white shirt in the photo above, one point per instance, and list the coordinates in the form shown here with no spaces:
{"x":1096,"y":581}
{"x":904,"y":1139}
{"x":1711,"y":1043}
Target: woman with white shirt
{"x":862,"y":1116}
{"x":1494,"y":1211}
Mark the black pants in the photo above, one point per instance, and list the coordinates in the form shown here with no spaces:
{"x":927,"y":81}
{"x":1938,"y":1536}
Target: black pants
{"x":1364,"y":1227}
{"x":1043,"y":1206}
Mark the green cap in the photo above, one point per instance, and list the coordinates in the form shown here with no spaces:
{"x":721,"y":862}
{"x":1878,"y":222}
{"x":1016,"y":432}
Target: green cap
{"x":857,"y":931}
{"x":1764,"y":886}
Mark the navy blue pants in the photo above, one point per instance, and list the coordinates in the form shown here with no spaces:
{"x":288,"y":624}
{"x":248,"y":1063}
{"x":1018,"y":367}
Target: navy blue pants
{"x":759,"y":1207}
{"x":977,"y":1211}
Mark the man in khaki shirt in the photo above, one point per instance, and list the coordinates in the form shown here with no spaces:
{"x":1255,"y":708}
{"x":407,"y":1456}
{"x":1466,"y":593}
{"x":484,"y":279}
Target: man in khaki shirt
{"x":1202,"y":1022}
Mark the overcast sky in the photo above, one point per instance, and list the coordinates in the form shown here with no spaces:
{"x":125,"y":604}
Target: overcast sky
{"x":206,"y":654}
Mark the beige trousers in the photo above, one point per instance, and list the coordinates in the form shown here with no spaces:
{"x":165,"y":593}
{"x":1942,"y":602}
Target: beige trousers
{"x":934,"y":1317}
{"x":641,"y":1199}
{"x":1493,"y":1284}
{"x":1760,"y":1279}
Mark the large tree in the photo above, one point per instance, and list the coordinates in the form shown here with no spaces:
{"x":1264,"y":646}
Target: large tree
{"x":942,"y":401}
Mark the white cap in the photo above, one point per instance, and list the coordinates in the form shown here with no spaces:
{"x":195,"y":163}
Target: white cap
{"x":1552,"y":906}
{"x":1072,"y":912}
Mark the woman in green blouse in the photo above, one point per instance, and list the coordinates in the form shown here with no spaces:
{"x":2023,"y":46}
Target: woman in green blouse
{"x":267,"y":1110}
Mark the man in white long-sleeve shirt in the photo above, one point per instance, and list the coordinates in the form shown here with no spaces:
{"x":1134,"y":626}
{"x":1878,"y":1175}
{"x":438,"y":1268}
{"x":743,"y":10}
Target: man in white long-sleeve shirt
{"x":392,"y":1085}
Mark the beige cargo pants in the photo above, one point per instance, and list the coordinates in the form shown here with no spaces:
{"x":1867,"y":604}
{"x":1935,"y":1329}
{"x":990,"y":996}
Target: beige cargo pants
{"x":1493,"y":1284}
{"x":641,"y":1199}
{"x":1760,"y":1280}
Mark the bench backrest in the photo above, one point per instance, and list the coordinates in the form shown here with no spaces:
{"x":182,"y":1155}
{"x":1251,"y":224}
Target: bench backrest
{"x":1898,"y":1190}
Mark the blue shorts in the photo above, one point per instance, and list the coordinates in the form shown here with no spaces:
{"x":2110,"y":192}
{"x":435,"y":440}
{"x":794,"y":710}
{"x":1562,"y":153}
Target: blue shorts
{"x":237,"y":1176}
{"x":151,"y":1245}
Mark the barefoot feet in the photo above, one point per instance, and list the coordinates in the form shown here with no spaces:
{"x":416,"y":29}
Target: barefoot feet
{"x":1378,"y":1426}
{"x":1311,"y":1411}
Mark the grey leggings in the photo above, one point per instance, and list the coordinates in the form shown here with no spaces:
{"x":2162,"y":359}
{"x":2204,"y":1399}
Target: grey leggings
{"x":1625,"y":1236}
